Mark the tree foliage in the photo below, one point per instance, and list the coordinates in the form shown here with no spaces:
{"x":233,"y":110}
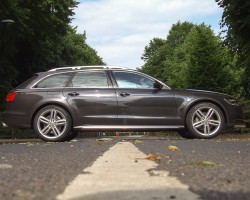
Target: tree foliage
{"x":193,"y":57}
{"x":175,"y":63}
{"x":40,"y":39}
{"x":205,"y":60}
{"x":159,"y":54}
{"x":76,"y":51}
{"x":236,"y":21}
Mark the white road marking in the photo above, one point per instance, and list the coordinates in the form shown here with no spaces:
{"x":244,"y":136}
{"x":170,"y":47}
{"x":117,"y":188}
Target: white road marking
{"x":117,"y":176}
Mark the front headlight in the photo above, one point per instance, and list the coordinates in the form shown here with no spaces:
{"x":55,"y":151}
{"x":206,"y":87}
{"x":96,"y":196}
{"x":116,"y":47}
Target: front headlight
{"x":232,"y":101}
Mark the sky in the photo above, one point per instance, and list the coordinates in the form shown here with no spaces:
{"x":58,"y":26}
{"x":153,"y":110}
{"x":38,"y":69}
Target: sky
{"x":119,"y":30}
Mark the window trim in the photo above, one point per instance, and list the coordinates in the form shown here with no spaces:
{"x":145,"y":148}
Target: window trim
{"x":110,"y":78}
{"x":110,"y":84}
{"x":138,"y":73}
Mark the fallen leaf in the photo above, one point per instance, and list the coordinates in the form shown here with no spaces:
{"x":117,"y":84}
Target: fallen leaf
{"x":98,"y":142}
{"x":138,"y":142}
{"x":173,"y":148}
{"x":26,"y":143}
{"x":205,"y":163}
{"x":153,"y":157}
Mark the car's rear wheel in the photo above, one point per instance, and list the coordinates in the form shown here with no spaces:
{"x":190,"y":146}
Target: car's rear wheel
{"x":52,"y":124}
{"x":205,"y":120}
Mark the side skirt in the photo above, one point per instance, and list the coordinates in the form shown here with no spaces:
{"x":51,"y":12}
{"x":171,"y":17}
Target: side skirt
{"x":124,"y":127}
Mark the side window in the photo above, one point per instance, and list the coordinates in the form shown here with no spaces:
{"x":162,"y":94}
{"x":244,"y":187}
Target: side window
{"x":90,"y":79}
{"x":54,"y":81}
{"x":132,"y":80}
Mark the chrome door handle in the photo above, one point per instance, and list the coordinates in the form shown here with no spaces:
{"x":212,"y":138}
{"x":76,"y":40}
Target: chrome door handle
{"x":73,"y":94}
{"x":124,"y":94}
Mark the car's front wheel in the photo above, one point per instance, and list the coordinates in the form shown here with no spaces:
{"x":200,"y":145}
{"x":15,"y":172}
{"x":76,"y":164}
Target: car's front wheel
{"x":205,"y":120}
{"x":52,"y":124}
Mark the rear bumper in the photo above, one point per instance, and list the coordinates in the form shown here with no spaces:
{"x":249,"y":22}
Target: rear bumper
{"x":15,"y":120}
{"x":4,"y":125}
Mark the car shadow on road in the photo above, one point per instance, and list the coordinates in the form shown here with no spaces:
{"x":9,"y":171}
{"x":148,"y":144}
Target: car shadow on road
{"x":169,"y":193}
{"x":166,"y":194}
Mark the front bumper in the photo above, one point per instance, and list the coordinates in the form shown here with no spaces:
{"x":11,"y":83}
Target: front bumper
{"x":240,"y":125}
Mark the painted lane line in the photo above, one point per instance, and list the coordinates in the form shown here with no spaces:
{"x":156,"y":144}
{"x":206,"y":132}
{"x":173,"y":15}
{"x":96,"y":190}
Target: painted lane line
{"x":116,"y":176}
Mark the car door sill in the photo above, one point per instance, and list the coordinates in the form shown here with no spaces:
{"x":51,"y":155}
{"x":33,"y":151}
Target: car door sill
{"x":127,"y":127}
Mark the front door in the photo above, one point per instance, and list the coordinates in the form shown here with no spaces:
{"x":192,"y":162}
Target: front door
{"x":139,"y":103}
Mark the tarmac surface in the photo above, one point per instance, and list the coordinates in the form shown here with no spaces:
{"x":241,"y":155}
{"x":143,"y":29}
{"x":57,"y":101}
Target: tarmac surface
{"x":212,"y":169}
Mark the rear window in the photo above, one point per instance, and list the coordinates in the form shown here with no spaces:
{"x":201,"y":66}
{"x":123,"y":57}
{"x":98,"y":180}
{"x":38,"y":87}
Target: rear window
{"x":27,"y":82}
{"x":54,"y":81}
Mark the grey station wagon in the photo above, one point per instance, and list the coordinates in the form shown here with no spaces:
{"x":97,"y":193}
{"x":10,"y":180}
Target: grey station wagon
{"x":61,"y":102}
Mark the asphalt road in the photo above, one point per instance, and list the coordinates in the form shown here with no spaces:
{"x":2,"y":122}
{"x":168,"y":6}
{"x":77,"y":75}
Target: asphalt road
{"x":31,"y":170}
{"x":227,"y":179}
{"x":41,"y":171}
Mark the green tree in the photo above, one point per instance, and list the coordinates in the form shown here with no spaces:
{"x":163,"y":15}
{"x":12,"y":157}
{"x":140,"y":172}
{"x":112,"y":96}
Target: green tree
{"x":160,"y":54}
{"x":40,"y":39}
{"x":153,"y":55}
{"x":174,"y":64}
{"x":175,"y":68}
{"x":75,"y":51}
{"x":193,"y":57}
{"x":236,"y":21}
{"x":205,"y":57}
{"x":152,"y":48}
{"x":8,"y":72}
{"x":36,"y":36}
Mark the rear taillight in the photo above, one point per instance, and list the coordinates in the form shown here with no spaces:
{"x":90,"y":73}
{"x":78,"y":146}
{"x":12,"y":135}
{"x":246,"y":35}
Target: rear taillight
{"x":11,"y":97}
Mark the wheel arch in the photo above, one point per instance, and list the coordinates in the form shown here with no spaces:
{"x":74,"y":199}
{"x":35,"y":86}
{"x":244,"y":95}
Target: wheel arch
{"x":192,"y":104}
{"x":52,"y":104}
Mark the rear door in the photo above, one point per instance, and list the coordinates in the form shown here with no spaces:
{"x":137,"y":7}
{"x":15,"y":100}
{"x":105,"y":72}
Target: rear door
{"x":92,"y":98}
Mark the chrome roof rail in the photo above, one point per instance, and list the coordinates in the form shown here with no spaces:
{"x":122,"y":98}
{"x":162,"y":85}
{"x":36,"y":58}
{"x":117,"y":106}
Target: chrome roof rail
{"x":87,"y":67}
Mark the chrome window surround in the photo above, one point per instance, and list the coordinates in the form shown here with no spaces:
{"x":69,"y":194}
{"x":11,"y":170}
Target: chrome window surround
{"x":93,"y":68}
{"x":136,"y":72}
{"x":62,"y":72}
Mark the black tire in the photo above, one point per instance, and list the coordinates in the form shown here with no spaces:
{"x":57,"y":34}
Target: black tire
{"x":52,"y":124}
{"x":72,"y":135}
{"x":205,"y":120}
{"x":185,"y":134}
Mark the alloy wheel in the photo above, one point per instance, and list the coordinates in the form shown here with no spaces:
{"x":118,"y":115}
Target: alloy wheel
{"x":51,"y":123}
{"x":206,"y":120}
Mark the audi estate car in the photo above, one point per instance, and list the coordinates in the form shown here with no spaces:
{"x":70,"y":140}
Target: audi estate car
{"x":60,"y":102}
